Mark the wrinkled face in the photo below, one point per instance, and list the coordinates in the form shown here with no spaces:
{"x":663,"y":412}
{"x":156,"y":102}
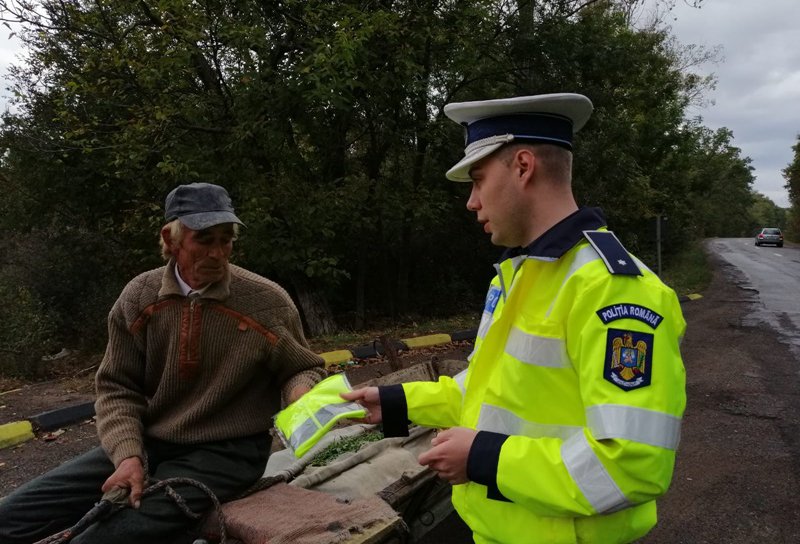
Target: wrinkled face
{"x":202,"y":255}
{"x":496,"y":199}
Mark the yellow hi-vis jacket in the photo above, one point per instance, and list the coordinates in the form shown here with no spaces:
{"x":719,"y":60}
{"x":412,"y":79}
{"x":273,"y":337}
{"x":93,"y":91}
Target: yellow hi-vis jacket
{"x":577,"y":389}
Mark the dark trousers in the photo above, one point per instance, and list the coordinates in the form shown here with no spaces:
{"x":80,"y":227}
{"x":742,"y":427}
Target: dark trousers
{"x":58,"y":499}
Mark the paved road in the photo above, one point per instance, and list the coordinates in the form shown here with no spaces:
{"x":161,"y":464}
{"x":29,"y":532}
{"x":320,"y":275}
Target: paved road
{"x":773,"y":274}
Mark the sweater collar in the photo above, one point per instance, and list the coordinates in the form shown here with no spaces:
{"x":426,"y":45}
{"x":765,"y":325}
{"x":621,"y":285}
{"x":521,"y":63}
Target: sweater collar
{"x":562,"y":236}
{"x":216,"y":291}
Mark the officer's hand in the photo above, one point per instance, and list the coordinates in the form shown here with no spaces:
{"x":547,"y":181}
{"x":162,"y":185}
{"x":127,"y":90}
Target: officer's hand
{"x":448,"y":456}
{"x":369,"y":398}
{"x":129,"y":475}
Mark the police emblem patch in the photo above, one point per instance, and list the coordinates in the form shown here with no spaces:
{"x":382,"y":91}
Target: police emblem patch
{"x":628,"y":360}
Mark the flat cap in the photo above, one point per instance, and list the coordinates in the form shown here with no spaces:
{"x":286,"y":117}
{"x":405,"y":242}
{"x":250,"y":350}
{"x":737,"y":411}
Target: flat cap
{"x":200,"y":206}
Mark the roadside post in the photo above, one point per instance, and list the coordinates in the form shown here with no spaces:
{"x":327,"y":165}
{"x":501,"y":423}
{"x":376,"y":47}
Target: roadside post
{"x":660,"y":231}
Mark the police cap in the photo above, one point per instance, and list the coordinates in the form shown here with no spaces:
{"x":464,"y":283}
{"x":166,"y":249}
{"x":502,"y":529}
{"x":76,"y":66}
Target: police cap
{"x":490,"y":124}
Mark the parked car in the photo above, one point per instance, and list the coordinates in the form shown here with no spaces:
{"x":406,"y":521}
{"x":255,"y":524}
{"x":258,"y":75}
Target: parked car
{"x":769,"y":236}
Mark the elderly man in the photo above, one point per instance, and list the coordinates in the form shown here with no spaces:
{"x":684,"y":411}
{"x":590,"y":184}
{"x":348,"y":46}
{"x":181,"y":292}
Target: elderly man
{"x":565,"y":424}
{"x":201,"y":354}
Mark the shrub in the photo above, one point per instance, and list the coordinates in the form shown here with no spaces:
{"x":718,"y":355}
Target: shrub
{"x":27,"y":332}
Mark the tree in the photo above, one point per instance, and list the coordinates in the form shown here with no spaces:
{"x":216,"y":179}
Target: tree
{"x":792,"y":176}
{"x":720,"y":185}
{"x":306,"y":111}
{"x":765,"y":213}
{"x":324,"y":120}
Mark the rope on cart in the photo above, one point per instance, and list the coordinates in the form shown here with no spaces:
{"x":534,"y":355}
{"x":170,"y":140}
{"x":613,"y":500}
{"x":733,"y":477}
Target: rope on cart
{"x":116,"y":499}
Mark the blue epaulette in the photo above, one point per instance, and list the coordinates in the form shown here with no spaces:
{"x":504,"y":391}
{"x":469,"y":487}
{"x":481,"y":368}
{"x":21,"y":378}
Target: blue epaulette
{"x":613,"y":253}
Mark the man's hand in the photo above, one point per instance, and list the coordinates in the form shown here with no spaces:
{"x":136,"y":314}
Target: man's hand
{"x":297,"y":392}
{"x":369,"y":398}
{"x":129,"y":475}
{"x":448,"y":456}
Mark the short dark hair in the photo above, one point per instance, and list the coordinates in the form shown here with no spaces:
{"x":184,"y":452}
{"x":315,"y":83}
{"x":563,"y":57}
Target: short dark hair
{"x":554,"y":161}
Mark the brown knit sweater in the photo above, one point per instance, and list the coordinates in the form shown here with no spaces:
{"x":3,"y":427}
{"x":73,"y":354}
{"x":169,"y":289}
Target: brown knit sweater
{"x":191,"y":370}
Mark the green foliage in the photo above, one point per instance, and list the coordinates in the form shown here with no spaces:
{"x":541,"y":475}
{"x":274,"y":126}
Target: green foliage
{"x":719,"y":182}
{"x":792,"y":176}
{"x":689,"y":271}
{"x":792,"y":231}
{"x":324,"y":121}
{"x":340,"y":446}
{"x":765,"y":213}
{"x":27,"y":331}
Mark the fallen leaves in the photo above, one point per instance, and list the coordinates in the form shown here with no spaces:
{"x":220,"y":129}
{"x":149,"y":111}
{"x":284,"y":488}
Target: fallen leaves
{"x":48,"y":437}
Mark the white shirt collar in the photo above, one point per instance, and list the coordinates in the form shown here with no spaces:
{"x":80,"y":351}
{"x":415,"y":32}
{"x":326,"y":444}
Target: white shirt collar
{"x":185,"y":288}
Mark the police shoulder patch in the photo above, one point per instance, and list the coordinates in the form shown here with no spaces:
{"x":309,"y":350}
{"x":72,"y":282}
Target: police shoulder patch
{"x":629,"y":359}
{"x":613,"y":253}
{"x":627,"y":310}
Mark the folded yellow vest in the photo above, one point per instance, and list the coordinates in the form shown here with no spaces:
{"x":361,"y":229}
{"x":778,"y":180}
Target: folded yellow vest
{"x":304,"y":422}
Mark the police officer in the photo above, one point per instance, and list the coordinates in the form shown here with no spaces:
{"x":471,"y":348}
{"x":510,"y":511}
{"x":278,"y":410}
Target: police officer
{"x":565,"y":425}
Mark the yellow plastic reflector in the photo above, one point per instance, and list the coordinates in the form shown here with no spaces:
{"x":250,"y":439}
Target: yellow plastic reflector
{"x":336,"y":357}
{"x":15,"y":433}
{"x":424,"y":341}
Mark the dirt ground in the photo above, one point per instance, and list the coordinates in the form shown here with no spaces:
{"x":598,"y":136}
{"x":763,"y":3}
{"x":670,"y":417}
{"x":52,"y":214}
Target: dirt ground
{"x":738,"y":468}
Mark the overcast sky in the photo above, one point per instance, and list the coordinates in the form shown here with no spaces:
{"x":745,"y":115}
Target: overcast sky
{"x":758,"y":78}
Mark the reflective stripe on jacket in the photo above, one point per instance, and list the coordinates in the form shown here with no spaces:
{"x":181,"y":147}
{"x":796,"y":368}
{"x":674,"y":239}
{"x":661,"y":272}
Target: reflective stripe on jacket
{"x":569,"y":450}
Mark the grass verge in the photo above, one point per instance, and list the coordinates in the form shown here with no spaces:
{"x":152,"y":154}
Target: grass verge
{"x":689,"y":271}
{"x":399,"y":329}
